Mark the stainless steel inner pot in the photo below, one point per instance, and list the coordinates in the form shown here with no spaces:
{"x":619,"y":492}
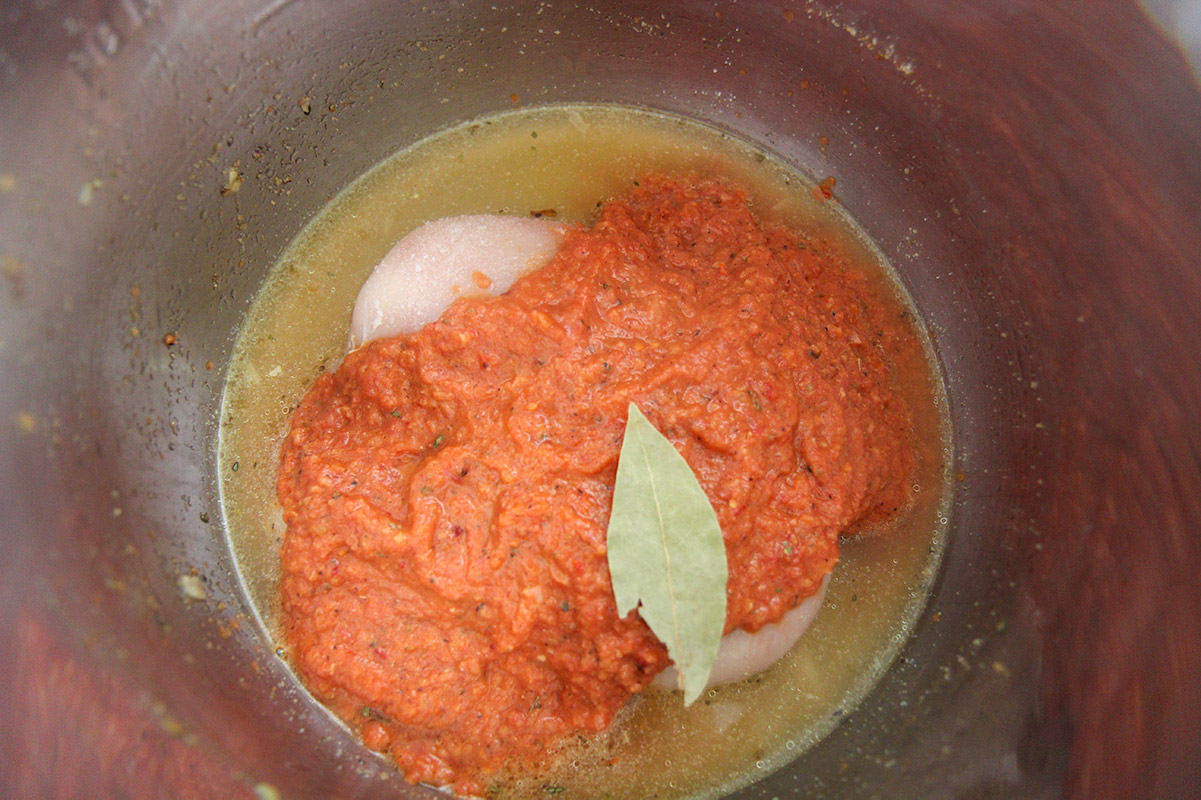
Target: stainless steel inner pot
{"x":1032,"y":170}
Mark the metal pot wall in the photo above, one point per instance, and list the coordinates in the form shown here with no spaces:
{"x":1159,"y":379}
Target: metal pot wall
{"x":1032,"y":170}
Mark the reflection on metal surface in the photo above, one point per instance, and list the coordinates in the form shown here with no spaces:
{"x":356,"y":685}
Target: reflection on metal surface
{"x":1180,"y":20}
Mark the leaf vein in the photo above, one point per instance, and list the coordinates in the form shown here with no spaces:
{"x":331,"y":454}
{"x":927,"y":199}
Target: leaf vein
{"x":671,"y":589}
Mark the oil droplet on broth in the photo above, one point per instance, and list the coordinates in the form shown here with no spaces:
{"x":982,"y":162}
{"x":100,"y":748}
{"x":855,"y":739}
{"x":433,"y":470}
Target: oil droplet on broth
{"x":583,"y":154}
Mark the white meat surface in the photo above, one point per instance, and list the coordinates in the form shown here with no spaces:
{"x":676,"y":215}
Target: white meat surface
{"x":445,"y":259}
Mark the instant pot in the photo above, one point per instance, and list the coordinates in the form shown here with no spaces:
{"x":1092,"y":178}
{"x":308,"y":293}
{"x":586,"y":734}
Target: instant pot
{"x":1032,"y":171}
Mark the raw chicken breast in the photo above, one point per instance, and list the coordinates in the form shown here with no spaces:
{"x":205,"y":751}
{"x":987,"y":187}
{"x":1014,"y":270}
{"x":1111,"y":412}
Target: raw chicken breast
{"x":445,"y":259}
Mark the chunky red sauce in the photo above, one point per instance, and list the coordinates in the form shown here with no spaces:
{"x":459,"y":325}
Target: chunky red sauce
{"x":445,"y":587}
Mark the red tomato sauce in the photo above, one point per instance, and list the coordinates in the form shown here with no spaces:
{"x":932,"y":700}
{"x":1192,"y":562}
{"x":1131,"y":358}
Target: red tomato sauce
{"x":446,"y":494}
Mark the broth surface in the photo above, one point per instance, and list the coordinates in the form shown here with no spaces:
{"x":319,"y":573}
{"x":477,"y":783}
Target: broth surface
{"x":564,"y":160}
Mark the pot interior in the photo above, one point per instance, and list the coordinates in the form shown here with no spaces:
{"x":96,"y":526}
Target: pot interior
{"x":157,"y":159}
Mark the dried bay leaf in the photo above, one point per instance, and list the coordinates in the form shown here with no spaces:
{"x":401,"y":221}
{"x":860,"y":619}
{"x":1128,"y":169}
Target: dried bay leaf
{"x":666,"y":552}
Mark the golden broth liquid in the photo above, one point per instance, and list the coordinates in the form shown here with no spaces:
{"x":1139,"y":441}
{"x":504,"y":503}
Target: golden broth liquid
{"x":569,"y":158}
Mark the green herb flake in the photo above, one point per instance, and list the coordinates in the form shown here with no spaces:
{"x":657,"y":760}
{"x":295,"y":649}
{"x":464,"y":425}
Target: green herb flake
{"x":553,"y":789}
{"x":370,"y":713}
{"x":438,"y":440}
{"x":666,"y":553}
